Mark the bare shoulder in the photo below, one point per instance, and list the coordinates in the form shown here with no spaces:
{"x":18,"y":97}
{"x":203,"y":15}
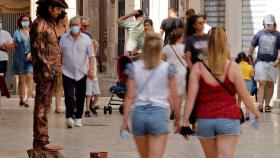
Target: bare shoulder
{"x":234,"y":70}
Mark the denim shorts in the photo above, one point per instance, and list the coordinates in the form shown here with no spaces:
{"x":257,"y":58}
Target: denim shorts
{"x":211,"y":128}
{"x":150,"y":120}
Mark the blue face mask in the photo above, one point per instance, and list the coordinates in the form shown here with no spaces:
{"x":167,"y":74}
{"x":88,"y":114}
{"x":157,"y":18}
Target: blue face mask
{"x":25,"y":23}
{"x":75,"y":29}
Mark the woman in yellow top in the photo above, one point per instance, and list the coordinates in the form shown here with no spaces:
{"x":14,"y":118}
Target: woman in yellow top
{"x":248,"y":74}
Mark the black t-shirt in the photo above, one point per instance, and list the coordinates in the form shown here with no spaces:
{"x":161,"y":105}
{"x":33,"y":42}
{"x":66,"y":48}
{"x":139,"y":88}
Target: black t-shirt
{"x":195,"y":44}
{"x":169,"y":24}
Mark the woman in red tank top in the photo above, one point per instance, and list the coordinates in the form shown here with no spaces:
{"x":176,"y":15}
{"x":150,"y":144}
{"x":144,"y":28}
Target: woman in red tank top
{"x":218,"y":116}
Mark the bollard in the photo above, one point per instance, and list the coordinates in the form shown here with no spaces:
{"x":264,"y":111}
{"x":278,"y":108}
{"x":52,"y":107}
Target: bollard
{"x":98,"y":155}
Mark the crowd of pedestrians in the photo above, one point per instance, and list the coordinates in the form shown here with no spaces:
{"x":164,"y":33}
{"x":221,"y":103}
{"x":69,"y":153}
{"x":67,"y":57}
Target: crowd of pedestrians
{"x":191,"y":63}
{"x":196,"y":66}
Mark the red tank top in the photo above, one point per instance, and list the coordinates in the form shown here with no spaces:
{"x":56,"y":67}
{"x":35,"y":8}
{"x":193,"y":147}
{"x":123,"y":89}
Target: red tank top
{"x":214,"y":101}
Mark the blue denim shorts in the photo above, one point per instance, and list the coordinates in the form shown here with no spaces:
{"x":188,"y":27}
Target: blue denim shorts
{"x":211,"y":128}
{"x":150,"y":120}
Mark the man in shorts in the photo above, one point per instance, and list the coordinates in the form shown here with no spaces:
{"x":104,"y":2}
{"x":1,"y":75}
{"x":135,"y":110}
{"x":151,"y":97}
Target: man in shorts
{"x":268,"y":59}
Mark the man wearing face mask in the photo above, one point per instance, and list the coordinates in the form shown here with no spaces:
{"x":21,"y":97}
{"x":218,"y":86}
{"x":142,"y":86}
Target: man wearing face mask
{"x":6,"y":44}
{"x":77,"y":51}
{"x":46,"y":61}
{"x":268,"y":59}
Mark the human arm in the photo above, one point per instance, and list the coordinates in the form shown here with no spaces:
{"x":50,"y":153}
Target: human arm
{"x":162,"y":28}
{"x":128,"y":101}
{"x":92,"y":60}
{"x":188,"y":59}
{"x":135,"y":12}
{"x":237,"y":78}
{"x":193,"y":88}
{"x":161,"y":31}
{"x":125,"y":22}
{"x":9,"y":44}
{"x":175,"y":101}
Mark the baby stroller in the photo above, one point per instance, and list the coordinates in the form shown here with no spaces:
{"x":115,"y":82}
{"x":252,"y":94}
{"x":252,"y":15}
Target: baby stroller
{"x":120,"y":88}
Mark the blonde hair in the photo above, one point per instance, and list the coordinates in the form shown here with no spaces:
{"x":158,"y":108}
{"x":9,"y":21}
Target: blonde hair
{"x":152,"y":50}
{"x":217,"y":50}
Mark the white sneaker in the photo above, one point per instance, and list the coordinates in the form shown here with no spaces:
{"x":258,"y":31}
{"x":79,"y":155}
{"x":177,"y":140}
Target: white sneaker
{"x":70,"y":122}
{"x":78,"y":123}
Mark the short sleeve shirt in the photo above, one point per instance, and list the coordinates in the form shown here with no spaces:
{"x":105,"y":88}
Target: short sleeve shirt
{"x":5,"y":37}
{"x":135,"y":30}
{"x":169,"y":24}
{"x":269,"y":44}
{"x":75,"y":55}
{"x":196,"y":45}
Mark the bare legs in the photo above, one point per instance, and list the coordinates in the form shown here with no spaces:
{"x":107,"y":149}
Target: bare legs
{"x":151,"y":146}
{"x":95,"y":100}
{"x":220,"y":147}
{"x":267,"y":87}
{"x":25,"y":80}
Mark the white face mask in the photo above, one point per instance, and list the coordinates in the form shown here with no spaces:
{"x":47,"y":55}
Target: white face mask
{"x":0,"y":26}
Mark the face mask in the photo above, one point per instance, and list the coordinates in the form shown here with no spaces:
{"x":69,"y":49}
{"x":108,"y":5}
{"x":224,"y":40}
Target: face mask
{"x":0,"y":26}
{"x":75,"y":29}
{"x":25,"y":23}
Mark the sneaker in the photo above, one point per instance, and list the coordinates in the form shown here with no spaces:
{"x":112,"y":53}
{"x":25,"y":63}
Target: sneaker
{"x":87,"y":114}
{"x":78,"y":123}
{"x":70,"y":123}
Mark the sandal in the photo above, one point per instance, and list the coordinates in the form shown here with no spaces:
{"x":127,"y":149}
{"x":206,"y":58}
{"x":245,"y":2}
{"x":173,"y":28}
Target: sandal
{"x":260,"y":108}
{"x":267,"y":109}
{"x":52,"y":147}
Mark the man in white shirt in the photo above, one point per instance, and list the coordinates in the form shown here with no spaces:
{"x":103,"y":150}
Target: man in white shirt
{"x":6,"y":44}
{"x":77,"y":51}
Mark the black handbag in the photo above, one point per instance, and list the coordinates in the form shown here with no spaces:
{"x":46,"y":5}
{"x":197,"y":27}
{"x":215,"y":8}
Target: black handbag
{"x":242,"y":119}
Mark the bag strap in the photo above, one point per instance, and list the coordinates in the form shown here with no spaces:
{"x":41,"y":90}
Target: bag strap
{"x":148,"y":79}
{"x":219,"y":81}
{"x":178,"y":57}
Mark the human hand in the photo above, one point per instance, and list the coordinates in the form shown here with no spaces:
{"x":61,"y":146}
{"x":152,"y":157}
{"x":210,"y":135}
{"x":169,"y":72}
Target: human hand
{"x":90,"y":74}
{"x":258,"y":117}
{"x":124,"y":126}
{"x":176,"y":126}
{"x":135,"y":12}
{"x":28,"y":56}
{"x":276,"y":62}
{"x":4,"y":47}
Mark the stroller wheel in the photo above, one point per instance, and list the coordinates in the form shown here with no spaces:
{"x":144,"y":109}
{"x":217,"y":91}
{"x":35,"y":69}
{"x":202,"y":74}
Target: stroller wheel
{"x":110,"y":109}
{"x":121,"y":109}
{"x":105,"y":110}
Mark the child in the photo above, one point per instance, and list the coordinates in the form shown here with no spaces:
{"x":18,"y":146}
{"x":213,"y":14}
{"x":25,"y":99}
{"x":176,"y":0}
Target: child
{"x":254,"y":88}
{"x":247,"y":71}
{"x":93,"y":90}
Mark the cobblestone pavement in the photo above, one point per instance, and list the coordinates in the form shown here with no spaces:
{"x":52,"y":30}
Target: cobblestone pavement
{"x":102,"y":134}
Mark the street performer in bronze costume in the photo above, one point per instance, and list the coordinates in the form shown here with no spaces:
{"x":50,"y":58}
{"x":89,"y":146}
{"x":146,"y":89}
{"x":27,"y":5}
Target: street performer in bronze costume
{"x":46,"y":61}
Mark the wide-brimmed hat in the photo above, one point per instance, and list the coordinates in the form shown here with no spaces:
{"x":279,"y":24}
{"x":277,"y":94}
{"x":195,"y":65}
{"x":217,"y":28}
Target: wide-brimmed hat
{"x":60,"y":3}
